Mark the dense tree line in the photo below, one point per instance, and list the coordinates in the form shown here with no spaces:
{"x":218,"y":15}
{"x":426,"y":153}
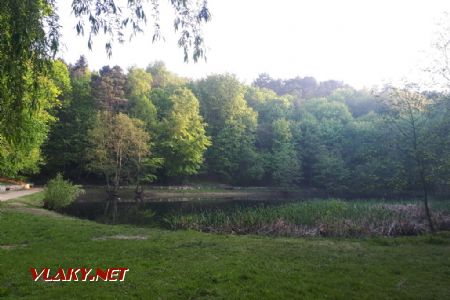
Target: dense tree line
{"x":145,"y":125}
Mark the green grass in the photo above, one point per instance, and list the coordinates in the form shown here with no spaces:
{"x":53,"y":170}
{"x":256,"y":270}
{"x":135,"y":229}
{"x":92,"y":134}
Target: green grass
{"x":32,"y":200}
{"x":195,"y":265}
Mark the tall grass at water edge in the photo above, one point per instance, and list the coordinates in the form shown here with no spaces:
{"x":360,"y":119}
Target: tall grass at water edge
{"x":318,"y":218}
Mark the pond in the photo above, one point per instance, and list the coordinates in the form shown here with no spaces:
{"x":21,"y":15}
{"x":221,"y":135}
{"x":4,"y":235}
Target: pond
{"x":264,"y":212}
{"x":154,"y":210}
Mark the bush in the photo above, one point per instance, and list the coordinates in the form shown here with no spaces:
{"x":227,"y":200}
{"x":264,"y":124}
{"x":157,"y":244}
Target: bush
{"x":59,"y":192}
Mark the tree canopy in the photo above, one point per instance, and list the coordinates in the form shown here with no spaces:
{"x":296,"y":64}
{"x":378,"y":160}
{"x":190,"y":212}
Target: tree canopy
{"x":30,"y":32}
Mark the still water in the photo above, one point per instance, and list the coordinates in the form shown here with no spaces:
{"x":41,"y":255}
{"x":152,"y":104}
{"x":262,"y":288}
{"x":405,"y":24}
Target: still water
{"x":153,"y":211}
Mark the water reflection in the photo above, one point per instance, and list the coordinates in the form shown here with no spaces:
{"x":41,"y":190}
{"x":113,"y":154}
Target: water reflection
{"x":153,"y":211}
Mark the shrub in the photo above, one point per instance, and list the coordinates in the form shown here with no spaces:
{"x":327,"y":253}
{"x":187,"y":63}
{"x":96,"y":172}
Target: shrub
{"x":59,"y":192}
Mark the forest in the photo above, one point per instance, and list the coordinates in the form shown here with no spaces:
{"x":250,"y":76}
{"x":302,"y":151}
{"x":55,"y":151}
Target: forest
{"x":150,"y":125}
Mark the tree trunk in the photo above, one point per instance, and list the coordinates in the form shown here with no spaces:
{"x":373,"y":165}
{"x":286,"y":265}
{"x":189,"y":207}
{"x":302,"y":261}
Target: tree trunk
{"x":108,"y":195}
{"x":422,"y":171}
{"x":114,"y":215}
{"x":427,"y":208}
{"x":106,"y":207}
{"x":138,"y":194}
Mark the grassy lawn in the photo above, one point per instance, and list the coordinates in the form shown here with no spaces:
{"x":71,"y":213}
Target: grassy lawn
{"x":194,"y":265}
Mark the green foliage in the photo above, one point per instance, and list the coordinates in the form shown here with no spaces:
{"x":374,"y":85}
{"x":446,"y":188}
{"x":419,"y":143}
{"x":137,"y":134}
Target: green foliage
{"x":182,"y":138}
{"x":23,"y":155}
{"x":138,"y":87}
{"x":108,"y":89}
{"x":269,"y":105}
{"x":330,"y":171}
{"x":163,"y":78}
{"x":115,"y":20}
{"x":221,"y":98}
{"x":359,"y":102}
{"x":119,"y":145}
{"x":285,"y":163}
{"x":412,"y":120}
{"x":30,"y":39}
{"x":139,"y":82}
{"x":299,"y":88}
{"x":69,"y":134}
{"x":438,"y":130}
{"x":59,"y":193}
{"x":373,"y":163}
{"x":233,"y":154}
{"x":25,"y":51}
{"x":232,"y":126}
{"x":326,"y":110}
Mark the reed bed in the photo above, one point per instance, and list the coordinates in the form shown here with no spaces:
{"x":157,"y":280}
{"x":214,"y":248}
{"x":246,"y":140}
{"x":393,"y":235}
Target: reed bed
{"x":318,"y":218}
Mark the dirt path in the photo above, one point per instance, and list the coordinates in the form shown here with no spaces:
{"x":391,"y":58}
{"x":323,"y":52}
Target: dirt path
{"x":21,"y":206}
{"x":16,"y":194}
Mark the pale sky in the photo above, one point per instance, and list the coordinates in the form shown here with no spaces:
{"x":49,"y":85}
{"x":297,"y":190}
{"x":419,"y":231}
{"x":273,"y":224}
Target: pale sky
{"x":363,"y":43}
